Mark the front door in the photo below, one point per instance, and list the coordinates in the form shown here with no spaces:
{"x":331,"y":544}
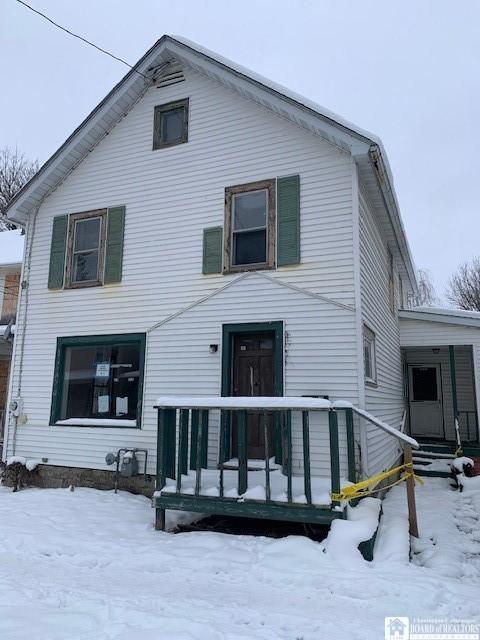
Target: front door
{"x":254,"y":375}
{"x":425,"y":393}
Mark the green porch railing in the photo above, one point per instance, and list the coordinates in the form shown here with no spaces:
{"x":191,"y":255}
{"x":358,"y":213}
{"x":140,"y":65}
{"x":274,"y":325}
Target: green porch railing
{"x":184,"y":429}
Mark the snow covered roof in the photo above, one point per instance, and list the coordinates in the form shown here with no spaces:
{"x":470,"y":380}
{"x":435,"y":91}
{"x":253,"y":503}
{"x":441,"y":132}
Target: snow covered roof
{"x":439,"y":314}
{"x":367,"y":149}
{"x":11,"y":248}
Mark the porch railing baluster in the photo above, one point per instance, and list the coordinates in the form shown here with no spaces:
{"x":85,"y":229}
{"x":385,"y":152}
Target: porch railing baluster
{"x":222,"y":448}
{"x":198,"y":477}
{"x":204,"y":448}
{"x":307,"y":480}
{"x":352,"y":472}
{"x":267,"y":455}
{"x":334,"y":453}
{"x":194,"y":438}
{"x":161,"y":447}
{"x":182,"y":454}
{"x":242,"y":452}
{"x":287,"y":450}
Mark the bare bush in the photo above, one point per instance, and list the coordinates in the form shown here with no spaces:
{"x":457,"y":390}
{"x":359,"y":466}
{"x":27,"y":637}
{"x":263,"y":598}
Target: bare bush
{"x":464,"y":286}
{"x":15,"y":171}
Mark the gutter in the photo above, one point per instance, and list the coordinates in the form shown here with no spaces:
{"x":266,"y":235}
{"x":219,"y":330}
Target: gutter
{"x":385,"y":184}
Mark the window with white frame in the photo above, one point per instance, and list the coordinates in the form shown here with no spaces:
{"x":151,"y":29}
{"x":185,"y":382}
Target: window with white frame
{"x":369,"y":357}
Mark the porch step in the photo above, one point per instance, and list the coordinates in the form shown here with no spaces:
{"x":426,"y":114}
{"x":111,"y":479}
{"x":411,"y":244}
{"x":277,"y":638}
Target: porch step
{"x":432,"y":455}
{"x":432,"y":464}
{"x":469,"y":449}
{"x":433,"y":459}
{"x":431,"y":473}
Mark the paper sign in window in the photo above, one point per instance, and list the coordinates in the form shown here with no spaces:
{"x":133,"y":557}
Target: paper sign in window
{"x":121,"y":405}
{"x":103,"y":404}
{"x":102,"y":370}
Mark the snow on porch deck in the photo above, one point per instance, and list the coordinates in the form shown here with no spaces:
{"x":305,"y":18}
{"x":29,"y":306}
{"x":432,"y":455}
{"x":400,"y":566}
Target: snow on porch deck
{"x":210,"y":486}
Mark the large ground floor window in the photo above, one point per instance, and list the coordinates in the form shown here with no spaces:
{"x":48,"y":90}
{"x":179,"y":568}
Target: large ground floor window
{"x":99,"y":380}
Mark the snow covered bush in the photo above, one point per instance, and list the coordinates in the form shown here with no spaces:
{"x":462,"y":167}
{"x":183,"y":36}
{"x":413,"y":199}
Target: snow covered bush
{"x":17,"y":472}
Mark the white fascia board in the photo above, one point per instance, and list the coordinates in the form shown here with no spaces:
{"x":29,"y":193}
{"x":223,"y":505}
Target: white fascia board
{"x":444,"y":317}
{"x":278,"y":99}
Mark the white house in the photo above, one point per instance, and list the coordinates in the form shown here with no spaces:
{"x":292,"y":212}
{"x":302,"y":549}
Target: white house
{"x":205,"y":232}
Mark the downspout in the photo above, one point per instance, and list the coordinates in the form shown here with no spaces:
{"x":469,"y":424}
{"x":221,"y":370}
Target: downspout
{"x":22,"y":302}
{"x":359,"y":319}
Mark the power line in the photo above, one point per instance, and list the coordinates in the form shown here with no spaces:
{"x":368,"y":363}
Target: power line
{"x":75,"y":35}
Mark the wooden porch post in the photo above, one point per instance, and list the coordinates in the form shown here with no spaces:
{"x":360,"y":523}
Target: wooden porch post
{"x":412,"y":508}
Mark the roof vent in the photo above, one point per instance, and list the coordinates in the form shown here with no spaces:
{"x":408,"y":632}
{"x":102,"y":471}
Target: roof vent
{"x":172,"y":75}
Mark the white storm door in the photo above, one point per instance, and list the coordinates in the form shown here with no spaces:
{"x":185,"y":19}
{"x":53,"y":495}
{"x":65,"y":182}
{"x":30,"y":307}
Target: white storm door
{"x":426,"y":408}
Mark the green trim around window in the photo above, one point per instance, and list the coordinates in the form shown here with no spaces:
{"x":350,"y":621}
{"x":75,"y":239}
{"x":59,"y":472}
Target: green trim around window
{"x":229,"y":330}
{"x":92,"y":341}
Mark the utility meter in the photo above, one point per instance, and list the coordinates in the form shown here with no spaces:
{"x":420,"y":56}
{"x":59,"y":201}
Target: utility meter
{"x":16,"y":406}
{"x":129,"y":466}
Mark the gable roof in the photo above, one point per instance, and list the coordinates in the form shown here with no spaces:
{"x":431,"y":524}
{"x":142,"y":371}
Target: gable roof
{"x":366,"y":149}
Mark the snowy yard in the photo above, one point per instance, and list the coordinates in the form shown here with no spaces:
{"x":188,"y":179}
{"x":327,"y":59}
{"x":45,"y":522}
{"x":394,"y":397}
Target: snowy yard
{"x":88,"y":565}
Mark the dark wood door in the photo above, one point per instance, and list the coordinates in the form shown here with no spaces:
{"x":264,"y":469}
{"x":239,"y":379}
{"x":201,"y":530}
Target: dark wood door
{"x":254,"y":375}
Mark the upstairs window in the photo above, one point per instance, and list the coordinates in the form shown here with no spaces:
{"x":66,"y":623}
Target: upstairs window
{"x":250,"y":226}
{"x":369,"y":356}
{"x":86,"y":248}
{"x":170,"y":125}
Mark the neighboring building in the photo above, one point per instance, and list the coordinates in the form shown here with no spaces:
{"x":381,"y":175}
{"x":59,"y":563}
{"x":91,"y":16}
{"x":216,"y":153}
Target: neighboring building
{"x":227,"y":237}
{"x":11,"y":250}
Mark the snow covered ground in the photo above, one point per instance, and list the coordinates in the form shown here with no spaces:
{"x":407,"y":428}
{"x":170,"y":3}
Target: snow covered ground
{"x":87,"y":565}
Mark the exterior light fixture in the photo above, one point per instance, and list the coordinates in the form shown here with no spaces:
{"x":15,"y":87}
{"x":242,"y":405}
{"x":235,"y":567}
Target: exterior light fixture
{"x":213,"y":348}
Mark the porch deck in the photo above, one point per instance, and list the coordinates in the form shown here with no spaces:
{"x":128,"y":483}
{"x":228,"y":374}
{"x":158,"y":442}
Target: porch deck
{"x":268,"y":488}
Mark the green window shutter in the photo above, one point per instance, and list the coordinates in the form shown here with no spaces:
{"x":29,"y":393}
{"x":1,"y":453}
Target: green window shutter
{"x":56,"y":271}
{"x":114,"y":245}
{"x":288,"y":220}
{"x":212,"y":250}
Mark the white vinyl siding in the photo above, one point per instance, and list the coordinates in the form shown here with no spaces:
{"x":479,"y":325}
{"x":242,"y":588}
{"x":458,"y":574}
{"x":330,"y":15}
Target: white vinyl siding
{"x":385,"y":398}
{"x":170,"y":197}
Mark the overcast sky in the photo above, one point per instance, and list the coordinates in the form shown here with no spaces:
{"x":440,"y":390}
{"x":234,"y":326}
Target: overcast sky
{"x":408,"y":71}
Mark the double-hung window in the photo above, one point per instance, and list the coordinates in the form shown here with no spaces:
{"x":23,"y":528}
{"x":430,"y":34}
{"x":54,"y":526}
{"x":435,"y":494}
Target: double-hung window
{"x":369,"y":355}
{"x":86,"y":244}
{"x":99,"y":380}
{"x":250,"y":226}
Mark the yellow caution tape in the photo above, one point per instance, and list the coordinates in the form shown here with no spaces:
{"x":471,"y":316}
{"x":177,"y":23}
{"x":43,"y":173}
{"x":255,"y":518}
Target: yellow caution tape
{"x":361,"y":489}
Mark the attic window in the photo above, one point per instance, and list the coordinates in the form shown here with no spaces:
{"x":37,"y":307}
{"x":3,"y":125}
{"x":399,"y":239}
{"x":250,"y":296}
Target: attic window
{"x":170,"y":125}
